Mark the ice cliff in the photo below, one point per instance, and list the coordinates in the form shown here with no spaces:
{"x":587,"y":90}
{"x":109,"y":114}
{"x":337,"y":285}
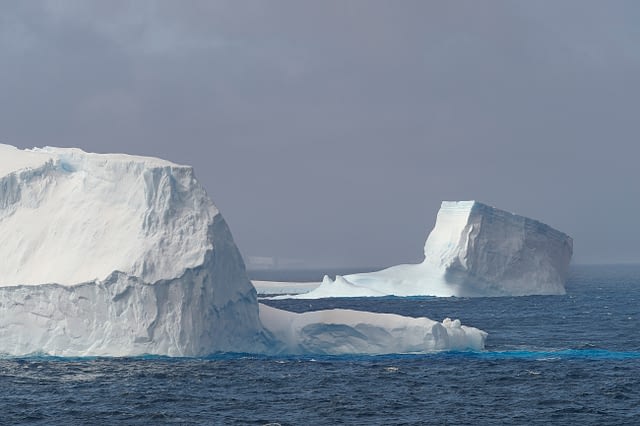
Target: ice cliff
{"x":116,"y":255}
{"x":473,"y":250}
{"x":110,"y":254}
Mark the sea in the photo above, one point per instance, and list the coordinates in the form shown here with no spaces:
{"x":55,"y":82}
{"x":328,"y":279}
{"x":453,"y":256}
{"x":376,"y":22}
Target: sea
{"x":565,"y":360}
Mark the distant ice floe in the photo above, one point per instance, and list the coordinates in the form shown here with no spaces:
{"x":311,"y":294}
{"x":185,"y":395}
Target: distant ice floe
{"x":283,"y":287}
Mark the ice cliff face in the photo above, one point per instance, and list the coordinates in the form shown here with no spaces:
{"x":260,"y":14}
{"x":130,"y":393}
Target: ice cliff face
{"x":78,"y":217}
{"x":473,"y":250}
{"x":486,"y":251}
{"x":116,"y":255}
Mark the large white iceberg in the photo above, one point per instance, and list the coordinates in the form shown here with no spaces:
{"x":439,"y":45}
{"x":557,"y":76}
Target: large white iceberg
{"x":473,"y":250}
{"x":109,"y":254}
{"x":116,"y":255}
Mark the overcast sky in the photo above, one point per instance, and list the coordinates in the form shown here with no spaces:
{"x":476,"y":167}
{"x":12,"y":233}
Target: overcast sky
{"x":329,"y":131}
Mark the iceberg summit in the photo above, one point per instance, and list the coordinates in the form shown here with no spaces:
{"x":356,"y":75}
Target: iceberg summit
{"x":474,"y":250}
{"x":119,"y":255}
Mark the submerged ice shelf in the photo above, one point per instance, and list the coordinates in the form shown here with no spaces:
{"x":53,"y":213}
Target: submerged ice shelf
{"x":344,"y":331}
{"x":473,"y":250}
{"x":118,"y":255}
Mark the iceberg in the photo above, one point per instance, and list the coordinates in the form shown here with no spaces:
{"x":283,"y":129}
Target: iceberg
{"x":344,"y":331}
{"x":120,"y":255}
{"x":474,"y":250}
{"x":110,"y":254}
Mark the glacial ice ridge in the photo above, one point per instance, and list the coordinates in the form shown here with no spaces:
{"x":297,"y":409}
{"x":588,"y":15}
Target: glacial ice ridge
{"x":119,"y":255}
{"x":474,"y":250}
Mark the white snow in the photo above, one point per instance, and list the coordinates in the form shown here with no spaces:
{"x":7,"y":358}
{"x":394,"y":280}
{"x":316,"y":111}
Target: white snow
{"x":118,"y":255}
{"x":473,"y":250}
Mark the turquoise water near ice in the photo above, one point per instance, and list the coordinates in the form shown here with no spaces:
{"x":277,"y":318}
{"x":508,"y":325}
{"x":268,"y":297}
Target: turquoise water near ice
{"x":572,"y":359}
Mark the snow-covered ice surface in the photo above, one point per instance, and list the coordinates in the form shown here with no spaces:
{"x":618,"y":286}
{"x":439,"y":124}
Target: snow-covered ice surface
{"x":473,"y":250}
{"x":118,"y":255}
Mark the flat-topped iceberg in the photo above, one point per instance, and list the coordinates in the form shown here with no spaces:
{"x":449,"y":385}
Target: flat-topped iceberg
{"x":473,"y":250}
{"x":117,"y":255}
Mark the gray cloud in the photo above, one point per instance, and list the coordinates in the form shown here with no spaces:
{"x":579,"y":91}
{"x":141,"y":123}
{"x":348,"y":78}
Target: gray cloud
{"x":330,"y":131}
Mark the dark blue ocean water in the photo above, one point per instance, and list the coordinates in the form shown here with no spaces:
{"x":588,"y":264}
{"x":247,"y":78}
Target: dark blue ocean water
{"x":571,"y":359}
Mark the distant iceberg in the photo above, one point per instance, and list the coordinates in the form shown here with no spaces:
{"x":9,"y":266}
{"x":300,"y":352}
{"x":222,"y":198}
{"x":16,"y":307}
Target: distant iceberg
{"x":118,"y":255}
{"x":473,"y":250}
